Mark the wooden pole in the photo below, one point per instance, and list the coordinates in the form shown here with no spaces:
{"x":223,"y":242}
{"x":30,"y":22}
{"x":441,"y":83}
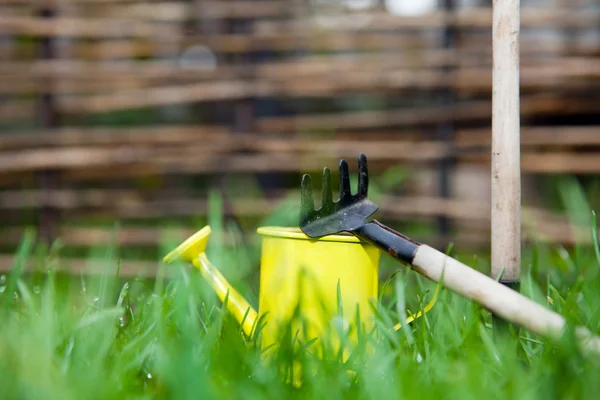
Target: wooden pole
{"x":506,"y":176}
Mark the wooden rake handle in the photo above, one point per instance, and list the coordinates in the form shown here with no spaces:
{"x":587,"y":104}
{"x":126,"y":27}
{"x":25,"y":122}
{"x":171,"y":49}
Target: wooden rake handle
{"x":472,"y":284}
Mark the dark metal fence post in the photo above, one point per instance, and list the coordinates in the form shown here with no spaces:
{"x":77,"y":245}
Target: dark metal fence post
{"x":48,"y":115}
{"x":445,"y":130}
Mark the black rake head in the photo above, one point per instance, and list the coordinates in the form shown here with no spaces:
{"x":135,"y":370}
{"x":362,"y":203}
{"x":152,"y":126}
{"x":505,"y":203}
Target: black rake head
{"x":348,"y":213}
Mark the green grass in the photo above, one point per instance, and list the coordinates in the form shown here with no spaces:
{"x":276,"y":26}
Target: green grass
{"x":105,"y":337}
{"x":108,"y":337}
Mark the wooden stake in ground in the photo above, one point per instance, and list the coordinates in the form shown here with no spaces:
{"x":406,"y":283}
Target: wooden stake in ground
{"x":506,"y":177}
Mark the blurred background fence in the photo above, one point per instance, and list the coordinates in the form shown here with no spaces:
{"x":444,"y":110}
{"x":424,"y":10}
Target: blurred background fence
{"x":135,"y":110}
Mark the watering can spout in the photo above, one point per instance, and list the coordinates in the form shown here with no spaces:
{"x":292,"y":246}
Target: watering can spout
{"x":192,"y":251}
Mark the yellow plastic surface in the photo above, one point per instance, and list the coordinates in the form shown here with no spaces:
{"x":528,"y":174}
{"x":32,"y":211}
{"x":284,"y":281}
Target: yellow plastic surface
{"x":191,"y":248}
{"x":317,"y":285}
{"x":192,"y":251}
{"x":301,"y":273}
{"x":296,"y":233}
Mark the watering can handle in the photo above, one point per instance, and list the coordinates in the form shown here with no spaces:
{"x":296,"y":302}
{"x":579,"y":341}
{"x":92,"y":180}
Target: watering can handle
{"x":470,"y":283}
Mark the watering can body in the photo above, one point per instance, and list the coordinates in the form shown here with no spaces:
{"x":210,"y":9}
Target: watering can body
{"x":317,"y":288}
{"x":321,"y":289}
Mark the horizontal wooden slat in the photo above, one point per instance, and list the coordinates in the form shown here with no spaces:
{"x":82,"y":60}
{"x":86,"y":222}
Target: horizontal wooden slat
{"x":148,"y":236}
{"x":95,"y":136}
{"x":298,"y":66}
{"x":164,"y":11}
{"x":476,"y":17}
{"x":268,"y":154}
{"x":472,"y":18}
{"x":321,"y":80}
{"x":79,"y":27}
{"x":555,"y":233}
{"x":161,"y":96}
{"x":95,"y":236}
{"x":14,"y":110}
{"x":82,"y":266}
{"x":476,"y":110}
{"x":216,"y":155}
{"x":173,"y":45}
{"x":538,"y":224}
{"x":65,"y":2}
{"x":550,"y":162}
{"x":184,"y":135}
{"x":535,"y":136}
{"x":136,"y":204}
{"x":236,"y":90}
{"x":179,"y":11}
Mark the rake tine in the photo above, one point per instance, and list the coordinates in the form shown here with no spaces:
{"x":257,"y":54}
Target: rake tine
{"x":307,"y":204}
{"x":327,"y":197}
{"x":363,"y":177}
{"x":348,"y":213}
{"x":345,"y":192}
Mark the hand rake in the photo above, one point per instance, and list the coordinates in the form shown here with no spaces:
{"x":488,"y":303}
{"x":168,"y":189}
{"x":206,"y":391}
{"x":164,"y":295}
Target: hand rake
{"x":349,"y":214}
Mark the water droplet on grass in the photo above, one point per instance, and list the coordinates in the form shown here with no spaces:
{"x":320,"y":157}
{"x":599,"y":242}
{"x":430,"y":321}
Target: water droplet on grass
{"x":2,"y":289}
{"x":96,"y":299}
{"x":419,"y":358}
{"x":149,"y":376}
{"x":37,"y":290}
{"x":121,"y":322}
{"x":2,"y":279}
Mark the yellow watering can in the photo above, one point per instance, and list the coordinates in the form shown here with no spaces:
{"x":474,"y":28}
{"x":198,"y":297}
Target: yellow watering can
{"x":329,"y":282}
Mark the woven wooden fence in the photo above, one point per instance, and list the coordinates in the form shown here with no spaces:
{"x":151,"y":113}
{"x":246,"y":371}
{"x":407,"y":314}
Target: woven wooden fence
{"x":134,"y":110}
